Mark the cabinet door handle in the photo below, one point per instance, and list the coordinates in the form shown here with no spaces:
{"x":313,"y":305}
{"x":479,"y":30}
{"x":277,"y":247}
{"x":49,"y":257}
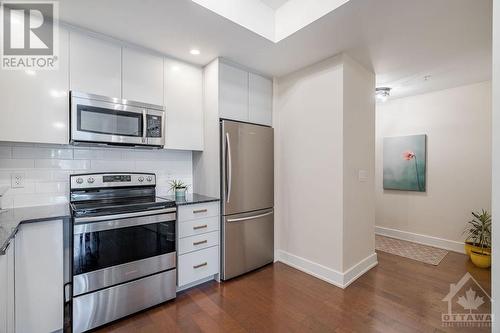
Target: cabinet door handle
{"x":200,"y":227}
{"x":200,"y":242}
{"x":200,"y":211}
{"x":200,"y":265}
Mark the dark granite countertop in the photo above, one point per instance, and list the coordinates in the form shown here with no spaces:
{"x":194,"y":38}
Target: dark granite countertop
{"x":192,"y":199}
{"x":11,"y":219}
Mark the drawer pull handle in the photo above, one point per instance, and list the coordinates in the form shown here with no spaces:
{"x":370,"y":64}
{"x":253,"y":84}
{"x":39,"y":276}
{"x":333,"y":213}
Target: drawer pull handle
{"x":200,"y":265}
{"x":200,"y":227}
{"x":200,"y":211}
{"x":200,"y":242}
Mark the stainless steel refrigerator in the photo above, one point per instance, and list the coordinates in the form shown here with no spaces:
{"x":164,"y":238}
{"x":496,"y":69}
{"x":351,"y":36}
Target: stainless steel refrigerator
{"x":247,"y":187}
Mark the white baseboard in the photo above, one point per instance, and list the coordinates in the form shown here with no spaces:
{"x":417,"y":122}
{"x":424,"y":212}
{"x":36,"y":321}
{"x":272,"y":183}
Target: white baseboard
{"x":356,"y":271}
{"x":339,"y":279}
{"x":441,"y":243}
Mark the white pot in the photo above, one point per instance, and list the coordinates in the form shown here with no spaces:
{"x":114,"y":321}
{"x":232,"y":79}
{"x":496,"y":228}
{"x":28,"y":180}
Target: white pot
{"x":180,"y":192}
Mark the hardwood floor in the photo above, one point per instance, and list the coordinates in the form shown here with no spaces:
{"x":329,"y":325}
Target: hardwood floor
{"x":399,"y":295}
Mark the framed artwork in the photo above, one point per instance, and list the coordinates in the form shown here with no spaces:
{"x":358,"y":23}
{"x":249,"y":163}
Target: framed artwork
{"x":405,"y":163}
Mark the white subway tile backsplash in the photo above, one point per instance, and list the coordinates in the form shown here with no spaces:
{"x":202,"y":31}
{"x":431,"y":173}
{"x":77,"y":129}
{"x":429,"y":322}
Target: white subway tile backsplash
{"x":61,"y":175}
{"x":115,"y":166}
{"x":35,"y":175}
{"x":52,"y":187}
{"x":63,"y":164}
{"x":97,"y":154}
{"x":16,"y":163}
{"x":41,"y":153}
{"x":48,"y":167}
{"x":5,"y":152}
{"x":39,"y":200}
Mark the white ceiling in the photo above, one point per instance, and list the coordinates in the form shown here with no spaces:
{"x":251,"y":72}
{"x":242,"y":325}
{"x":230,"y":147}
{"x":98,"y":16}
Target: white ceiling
{"x":274,"y":4}
{"x":400,"y":40}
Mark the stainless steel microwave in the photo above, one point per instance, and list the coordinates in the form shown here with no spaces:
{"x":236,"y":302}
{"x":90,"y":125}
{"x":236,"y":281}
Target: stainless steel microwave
{"x":112,"y":121}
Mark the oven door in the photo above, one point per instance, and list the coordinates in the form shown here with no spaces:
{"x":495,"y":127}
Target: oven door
{"x":106,"y":122}
{"x":109,"y":250}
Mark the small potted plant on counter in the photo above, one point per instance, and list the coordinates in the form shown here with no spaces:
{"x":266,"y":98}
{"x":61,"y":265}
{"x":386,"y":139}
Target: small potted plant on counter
{"x":478,"y":241}
{"x":179,"y":188}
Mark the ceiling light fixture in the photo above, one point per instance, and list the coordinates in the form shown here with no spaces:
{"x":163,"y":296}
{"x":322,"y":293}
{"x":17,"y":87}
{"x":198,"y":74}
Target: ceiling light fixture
{"x":382,"y":93}
{"x":195,"y":52}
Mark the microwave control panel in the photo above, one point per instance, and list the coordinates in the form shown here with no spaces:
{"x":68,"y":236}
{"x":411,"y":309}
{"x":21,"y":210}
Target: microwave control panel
{"x":153,"y":126}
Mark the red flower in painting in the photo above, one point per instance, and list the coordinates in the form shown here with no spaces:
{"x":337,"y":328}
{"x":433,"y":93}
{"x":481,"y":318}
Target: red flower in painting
{"x":408,"y":155}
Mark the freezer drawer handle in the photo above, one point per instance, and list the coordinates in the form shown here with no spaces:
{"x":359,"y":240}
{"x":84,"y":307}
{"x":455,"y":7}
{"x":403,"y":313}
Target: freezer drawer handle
{"x":200,"y":242}
{"x":200,"y":211}
{"x":250,"y":217}
{"x":200,"y":265}
{"x":200,"y":226}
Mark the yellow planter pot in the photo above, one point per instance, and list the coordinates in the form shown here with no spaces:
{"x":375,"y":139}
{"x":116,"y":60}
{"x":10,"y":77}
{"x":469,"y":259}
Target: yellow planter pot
{"x":481,"y":260}
{"x":469,"y":247}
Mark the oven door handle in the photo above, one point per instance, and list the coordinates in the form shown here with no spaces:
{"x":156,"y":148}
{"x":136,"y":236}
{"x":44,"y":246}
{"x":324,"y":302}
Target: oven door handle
{"x":79,"y":220}
{"x":116,"y":223}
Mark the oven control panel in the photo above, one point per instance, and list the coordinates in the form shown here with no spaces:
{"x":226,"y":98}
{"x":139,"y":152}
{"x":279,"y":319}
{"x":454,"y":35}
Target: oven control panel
{"x":102,"y":180}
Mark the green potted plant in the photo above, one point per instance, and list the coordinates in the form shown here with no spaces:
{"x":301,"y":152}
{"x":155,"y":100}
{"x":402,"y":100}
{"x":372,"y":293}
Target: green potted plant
{"x":478,"y":239}
{"x":178,"y":187}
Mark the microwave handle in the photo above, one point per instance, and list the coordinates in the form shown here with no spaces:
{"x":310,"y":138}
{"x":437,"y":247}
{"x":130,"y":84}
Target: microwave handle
{"x":144,"y":125}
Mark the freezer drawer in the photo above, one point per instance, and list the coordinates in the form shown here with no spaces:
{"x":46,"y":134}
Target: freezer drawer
{"x":247,"y":167}
{"x":248,"y":242}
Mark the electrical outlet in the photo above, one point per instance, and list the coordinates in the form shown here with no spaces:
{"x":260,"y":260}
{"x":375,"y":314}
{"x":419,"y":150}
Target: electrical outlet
{"x":17,"y":180}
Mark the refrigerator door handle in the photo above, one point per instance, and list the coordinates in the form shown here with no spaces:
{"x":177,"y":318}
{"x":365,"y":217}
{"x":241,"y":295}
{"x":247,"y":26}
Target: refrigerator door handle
{"x":250,"y":217}
{"x":229,"y":170}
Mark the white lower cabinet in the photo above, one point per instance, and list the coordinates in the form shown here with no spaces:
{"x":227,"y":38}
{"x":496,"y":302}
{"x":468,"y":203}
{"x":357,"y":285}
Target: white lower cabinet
{"x":7,"y":290}
{"x":198,"y":265}
{"x":198,"y":242}
{"x":198,"y":239}
{"x":39,"y":277}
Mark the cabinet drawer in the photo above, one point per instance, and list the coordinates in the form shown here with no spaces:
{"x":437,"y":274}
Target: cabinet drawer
{"x":196,"y":227}
{"x":193,"y":243}
{"x":197,"y":265}
{"x":198,"y":211}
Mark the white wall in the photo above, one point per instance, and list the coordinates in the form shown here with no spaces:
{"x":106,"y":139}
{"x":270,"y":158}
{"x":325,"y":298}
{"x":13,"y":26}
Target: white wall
{"x":324,"y":123}
{"x":308,"y":130}
{"x":359,"y":156}
{"x":496,"y":167}
{"x":47,"y":169}
{"x":457,"y":123}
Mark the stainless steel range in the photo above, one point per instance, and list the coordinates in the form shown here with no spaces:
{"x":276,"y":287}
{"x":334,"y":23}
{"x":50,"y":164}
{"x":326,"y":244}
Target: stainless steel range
{"x":124,"y":252}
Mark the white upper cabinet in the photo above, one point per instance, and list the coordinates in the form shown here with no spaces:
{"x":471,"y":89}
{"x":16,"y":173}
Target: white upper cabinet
{"x":95,"y":66}
{"x":233,"y":92}
{"x":183,"y":103}
{"x":260,"y":100}
{"x":244,"y":96}
{"x":142,"y":76}
{"x":34,"y":104}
